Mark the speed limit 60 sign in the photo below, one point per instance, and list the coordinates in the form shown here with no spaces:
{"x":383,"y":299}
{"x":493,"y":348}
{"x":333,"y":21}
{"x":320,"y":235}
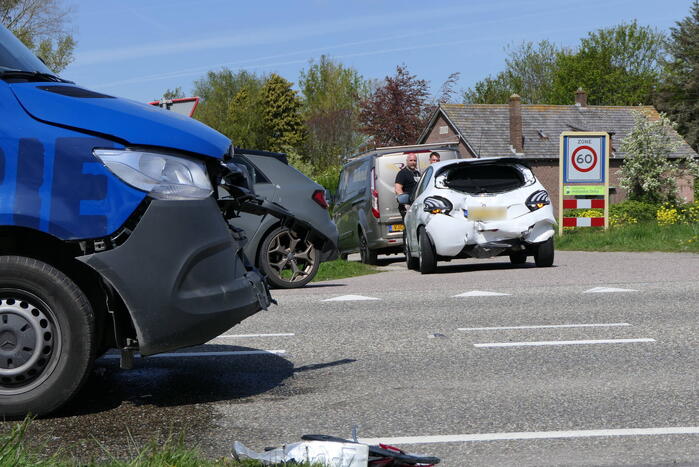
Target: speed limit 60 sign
{"x":584,"y":158}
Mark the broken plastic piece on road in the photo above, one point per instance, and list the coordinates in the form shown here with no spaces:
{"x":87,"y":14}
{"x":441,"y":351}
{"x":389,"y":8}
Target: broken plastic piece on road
{"x":327,"y":453}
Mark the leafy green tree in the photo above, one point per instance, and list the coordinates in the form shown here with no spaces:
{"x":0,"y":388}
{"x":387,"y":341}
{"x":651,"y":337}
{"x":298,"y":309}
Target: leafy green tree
{"x":232,"y":104}
{"x":679,"y":95}
{"x":331,"y":95}
{"x":647,"y":172}
{"x":616,"y":66}
{"x":43,"y":27}
{"x":397,"y":112}
{"x":282,"y":114}
{"x":529,"y":70}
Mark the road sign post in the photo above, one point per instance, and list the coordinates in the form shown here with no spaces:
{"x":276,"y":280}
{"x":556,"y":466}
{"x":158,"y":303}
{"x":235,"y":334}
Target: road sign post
{"x":584,"y":176}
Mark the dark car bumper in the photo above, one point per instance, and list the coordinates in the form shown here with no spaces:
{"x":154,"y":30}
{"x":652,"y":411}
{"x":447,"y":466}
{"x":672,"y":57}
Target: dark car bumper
{"x":182,"y":276}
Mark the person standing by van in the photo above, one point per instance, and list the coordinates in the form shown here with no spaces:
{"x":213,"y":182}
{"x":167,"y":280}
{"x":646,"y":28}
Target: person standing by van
{"x":435,"y":157}
{"x":406,"y":179}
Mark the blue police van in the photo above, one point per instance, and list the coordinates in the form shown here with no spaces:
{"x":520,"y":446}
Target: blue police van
{"x":112,"y":232}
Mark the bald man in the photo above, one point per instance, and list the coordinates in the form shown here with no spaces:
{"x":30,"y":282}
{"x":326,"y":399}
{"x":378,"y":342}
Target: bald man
{"x":406,"y":179}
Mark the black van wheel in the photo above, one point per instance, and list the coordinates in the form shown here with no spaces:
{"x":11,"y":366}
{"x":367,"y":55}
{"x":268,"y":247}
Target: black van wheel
{"x":543,"y":255}
{"x":367,"y":255}
{"x":428,"y":258}
{"x":412,"y":263}
{"x":47,"y":337}
{"x":287,"y":260}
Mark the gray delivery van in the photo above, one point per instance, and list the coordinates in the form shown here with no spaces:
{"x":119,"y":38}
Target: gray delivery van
{"x":365,"y":208}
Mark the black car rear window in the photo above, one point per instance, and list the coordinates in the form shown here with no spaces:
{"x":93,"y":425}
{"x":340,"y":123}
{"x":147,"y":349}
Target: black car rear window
{"x":483,"y":178}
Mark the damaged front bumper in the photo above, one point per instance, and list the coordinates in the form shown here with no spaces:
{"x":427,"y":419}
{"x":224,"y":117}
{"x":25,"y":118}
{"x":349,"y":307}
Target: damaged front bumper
{"x":182,"y":275}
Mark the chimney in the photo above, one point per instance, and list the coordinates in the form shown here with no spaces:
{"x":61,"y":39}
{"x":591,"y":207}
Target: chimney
{"x":580,"y":98}
{"x":516,"y":139}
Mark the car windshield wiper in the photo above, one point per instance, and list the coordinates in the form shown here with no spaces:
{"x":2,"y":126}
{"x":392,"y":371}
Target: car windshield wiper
{"x":31,"y":76}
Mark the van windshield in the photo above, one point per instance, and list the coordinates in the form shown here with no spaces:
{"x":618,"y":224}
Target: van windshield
{"x":15,"y":56}
{"x":482,"y":178}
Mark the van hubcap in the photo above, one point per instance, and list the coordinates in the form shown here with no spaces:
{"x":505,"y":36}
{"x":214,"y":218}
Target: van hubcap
{"x":28,"y":339}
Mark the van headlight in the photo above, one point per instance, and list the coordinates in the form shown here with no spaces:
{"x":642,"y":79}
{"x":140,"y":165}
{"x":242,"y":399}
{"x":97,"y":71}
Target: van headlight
{"x":163,"y":176}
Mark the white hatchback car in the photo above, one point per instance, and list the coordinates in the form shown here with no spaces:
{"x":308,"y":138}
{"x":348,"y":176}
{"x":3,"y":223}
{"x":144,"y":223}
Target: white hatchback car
{"x":478,"y":208}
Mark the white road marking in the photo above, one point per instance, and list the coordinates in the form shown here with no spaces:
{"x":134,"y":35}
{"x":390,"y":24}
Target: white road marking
{"x":480,"y":293}
{"x":231,"y":336}
{"x":580,"y":342}
{"x":349,"y":298}
{"x":608,"y":290}
{"x":547,"y":326}
{"x":204,"y":354}
{"x":671,"y":430}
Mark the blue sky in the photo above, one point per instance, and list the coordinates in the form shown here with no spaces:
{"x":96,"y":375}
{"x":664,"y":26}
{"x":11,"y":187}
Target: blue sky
{"x":139,"y":48}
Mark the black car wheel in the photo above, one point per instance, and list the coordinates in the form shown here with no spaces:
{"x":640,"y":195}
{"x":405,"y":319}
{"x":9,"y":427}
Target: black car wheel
{"x":543,"y":255}
{"x":428,"y":258}
{"x":367,"y":255}
{"x":287,"y":260}
{"x":47,"y":337}
{"x":412,"y":263}
{"x":518,"y":258}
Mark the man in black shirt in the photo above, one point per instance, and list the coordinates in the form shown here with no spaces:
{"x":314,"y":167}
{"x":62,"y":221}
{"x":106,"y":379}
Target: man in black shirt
{"x":406,"y":179}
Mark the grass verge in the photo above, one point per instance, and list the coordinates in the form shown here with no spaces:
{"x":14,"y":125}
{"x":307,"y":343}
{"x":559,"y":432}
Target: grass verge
{"x":340,"y":269}
{"x":172,"y":453}
{"x":646,"y":236}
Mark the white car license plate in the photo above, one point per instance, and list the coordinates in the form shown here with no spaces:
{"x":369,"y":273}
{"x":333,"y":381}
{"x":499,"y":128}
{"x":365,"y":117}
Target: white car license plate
{"x":485,"y":213}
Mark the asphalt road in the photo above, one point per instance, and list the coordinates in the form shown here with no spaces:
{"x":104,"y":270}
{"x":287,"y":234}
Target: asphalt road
{"x":555,"y":370}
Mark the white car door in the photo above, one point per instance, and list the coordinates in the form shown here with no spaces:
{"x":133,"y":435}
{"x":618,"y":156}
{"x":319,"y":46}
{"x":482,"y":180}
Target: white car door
{"x":416,"y":215}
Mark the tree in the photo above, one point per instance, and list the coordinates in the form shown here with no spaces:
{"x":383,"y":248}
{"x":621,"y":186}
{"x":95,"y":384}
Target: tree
{"x":679,"y":94}
{"x":43,"y":27}
{"x":447,"y":90}
{"x":397,"y":112}
{"x":647,"y":173}
{"x":282,"y":114}
{"x":529,"y":70}
{"x":331,"y":95}
{"x":176,"y":93}
{"x":616,"y":66}
{"x":232,"y":104}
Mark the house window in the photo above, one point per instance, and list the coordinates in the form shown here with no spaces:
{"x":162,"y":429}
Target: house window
{"x":443,"y":130}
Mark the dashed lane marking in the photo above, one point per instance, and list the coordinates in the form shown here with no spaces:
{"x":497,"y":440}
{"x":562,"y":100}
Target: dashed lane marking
{"x":578,"y":342}
{"x":349,"y":298}
{"x":608,"y":290}
{"x":233,"y":336}
{"x":656,"y":431}
{"x":480,"y":293}
{"x":547,"y":326}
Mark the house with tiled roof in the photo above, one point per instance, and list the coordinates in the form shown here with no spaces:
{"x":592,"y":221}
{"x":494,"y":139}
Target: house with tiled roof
{"x":532,"y":132}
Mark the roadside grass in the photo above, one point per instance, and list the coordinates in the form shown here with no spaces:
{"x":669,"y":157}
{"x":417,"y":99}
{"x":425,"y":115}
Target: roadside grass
{"x":644,"y":236}
{"x":340,"y":269}
{"x":172,"y":453}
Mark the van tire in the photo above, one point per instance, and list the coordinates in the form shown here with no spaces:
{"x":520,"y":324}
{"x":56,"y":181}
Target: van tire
{"x":427,"y":259}
{"x":412,"y":262}
{"x":49,"y":317}
{"x":367,"y":255}
{"x":303,"y":265}
{"x":543,"y":255}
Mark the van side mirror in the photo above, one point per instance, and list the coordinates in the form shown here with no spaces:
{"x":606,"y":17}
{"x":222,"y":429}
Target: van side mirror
{"x":403,"y":198}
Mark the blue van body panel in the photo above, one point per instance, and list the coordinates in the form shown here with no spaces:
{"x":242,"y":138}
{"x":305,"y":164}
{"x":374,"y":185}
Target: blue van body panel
{"x":124,"y":120}
{"x":50,"y":181}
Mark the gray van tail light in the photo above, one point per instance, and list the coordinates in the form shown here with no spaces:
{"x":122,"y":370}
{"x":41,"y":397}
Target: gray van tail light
{"x":374,"y":195}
